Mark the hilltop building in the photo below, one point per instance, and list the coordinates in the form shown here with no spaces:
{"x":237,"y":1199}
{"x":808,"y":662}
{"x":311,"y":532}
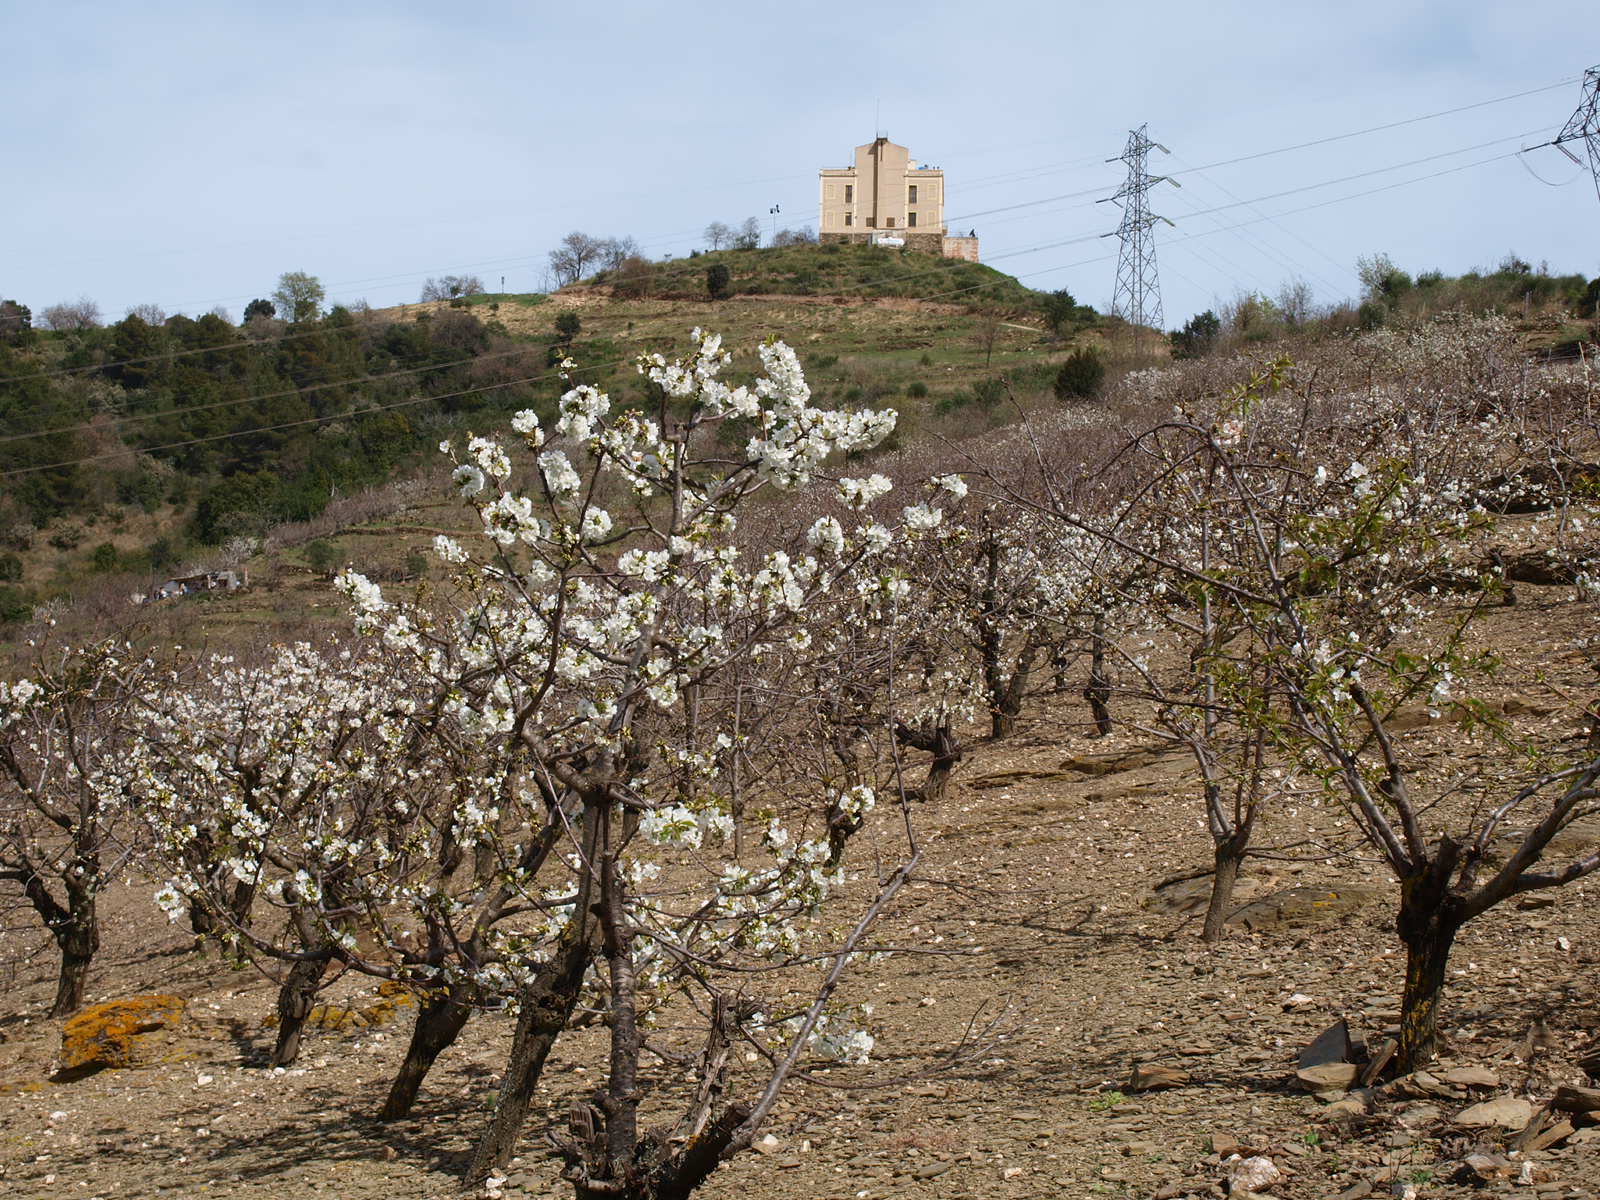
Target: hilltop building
{"x":887,"y":199}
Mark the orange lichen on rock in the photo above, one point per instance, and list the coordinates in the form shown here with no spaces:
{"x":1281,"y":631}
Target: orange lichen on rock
{"x":106,"y":1035}
{"x":336,"y":1018}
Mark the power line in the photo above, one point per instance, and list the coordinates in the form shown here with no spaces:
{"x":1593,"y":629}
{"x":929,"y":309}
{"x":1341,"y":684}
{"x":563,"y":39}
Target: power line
{"x":17,"y":472}
{"x":345,"y":415}
{"x":966,"y":217}
{"x":234,"y":402}
{"x":294,"y":336}
{"x":1322,"y":141}
{"x":1084,"y":262}
{"x":1232,"y":195}
{"x":1339,"y":137}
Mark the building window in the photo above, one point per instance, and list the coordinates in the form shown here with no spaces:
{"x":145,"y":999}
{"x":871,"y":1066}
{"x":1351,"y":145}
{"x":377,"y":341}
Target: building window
{"x":911,"y":220}
{"x":872,"y":222}
{"x":848,"y":221}
{"x":913,"y":196}
{"x":891,"y":222}
{"x":849,"y":193}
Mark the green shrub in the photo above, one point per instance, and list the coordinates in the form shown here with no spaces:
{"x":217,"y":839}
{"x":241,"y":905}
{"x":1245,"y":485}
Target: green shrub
{"x":1080,"y":376}
{"x":989,"y":392}
{"x":104,"y":557}
{"x":1198,"y":337}
{"x":10,"y":568}
{"x":15,"y":606}
{"x":916,"y":389}
{"x":718,"y":281}
{"x":322,"y":556}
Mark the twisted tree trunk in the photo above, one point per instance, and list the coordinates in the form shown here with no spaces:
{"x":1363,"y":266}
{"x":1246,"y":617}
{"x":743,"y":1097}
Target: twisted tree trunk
{"x":297,"y":995}
{"x":1098,"y":693}
{"x":78,"y":936}
{"x":1429,"y":919}
{"x":440,"y":1021}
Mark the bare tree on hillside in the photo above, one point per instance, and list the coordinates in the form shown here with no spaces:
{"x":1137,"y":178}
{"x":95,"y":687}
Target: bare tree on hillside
{"x":1296,"y":302}
{"x":718,"y":235}
{"x":748,"y":236}
{"x":449,"y":287}
{"x":616,"y":251}
{"x":82,"y":313}
{"x":151,"y":314}
{"x":576,"y":256}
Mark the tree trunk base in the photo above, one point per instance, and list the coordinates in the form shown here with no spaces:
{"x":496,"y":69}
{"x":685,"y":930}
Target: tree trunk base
{"x":440,"y":1021}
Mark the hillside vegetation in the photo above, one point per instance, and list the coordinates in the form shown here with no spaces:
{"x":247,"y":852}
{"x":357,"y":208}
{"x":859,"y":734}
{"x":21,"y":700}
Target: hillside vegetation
{"x":137,"y":449}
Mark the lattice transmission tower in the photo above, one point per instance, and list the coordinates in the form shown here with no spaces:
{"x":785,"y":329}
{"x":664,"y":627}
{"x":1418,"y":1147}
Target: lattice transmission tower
{"x":1138,"y":296}
{"x":1584,"y":126}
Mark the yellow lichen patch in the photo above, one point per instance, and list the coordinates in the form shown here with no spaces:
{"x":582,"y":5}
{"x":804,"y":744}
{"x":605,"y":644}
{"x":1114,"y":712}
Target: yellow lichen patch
{"x":341,"y":1019}
{"x":107,"y":1035}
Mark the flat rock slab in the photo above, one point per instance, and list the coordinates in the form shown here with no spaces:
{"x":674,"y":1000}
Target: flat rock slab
{"x":1152,"y":1077}
{"x":1569,"y":1098}
{"x":1332,"y":1045}
{"x":1503,"y":1112}
{"x":1329,"y":1077}
{"x":1095,"y":765}
{"x":1471,"y":1077}
{"x":1303,"y":906}
{"x":107,"y":1035}
{"x":1193,"y":895}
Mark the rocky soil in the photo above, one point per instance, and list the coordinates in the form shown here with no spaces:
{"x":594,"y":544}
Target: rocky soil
{"x":1039,"y":964}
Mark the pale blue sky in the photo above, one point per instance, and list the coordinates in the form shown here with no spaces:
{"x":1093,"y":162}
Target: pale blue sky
{"x":185,"y":154}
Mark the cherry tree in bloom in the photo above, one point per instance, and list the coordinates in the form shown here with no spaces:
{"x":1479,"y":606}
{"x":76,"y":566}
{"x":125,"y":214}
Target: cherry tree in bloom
{"x":647,"y":665}
{"x":62,"y":817}
{"x":1321,"y":562}
{"x":301,"y":809}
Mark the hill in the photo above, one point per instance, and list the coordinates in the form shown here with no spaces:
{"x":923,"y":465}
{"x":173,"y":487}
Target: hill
{"x":139,"y":451}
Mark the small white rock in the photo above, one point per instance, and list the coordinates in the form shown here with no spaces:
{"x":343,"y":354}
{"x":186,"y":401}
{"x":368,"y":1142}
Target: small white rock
{"x":1252,"y":1174}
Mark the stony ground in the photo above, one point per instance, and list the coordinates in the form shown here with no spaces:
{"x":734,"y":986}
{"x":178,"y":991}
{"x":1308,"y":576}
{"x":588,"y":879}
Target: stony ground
{"x":1042,"y":964}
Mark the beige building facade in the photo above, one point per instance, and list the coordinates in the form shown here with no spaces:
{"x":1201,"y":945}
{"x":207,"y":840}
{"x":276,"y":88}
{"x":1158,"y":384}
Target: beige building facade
{"x":886,"y":198}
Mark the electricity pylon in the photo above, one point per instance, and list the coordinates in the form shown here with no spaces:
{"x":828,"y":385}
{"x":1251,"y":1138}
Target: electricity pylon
{"x":1138,"y":296}
{"x":1584,"y":126}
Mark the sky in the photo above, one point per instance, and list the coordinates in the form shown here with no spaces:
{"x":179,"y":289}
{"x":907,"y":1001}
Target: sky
{"x":185,"y":154}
